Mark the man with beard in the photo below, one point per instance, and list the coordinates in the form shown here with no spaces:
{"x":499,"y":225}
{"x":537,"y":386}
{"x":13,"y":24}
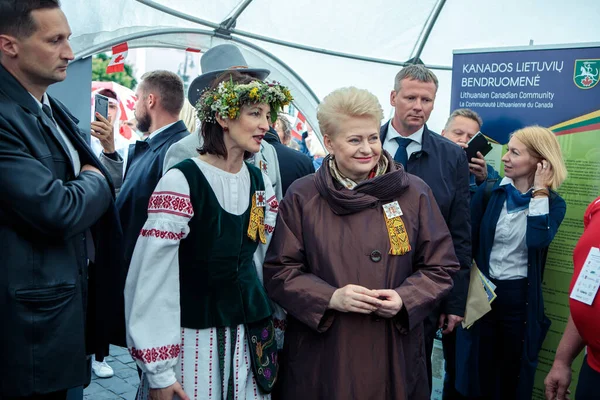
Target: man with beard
{"x":160,"y":98}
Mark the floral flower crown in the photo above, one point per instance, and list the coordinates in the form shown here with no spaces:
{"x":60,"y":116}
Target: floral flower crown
{"x":228,"y":98}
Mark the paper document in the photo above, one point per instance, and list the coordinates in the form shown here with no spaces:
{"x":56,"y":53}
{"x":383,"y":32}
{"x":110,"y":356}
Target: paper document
{"x":489,"y":287}
{"x":478,"y":303}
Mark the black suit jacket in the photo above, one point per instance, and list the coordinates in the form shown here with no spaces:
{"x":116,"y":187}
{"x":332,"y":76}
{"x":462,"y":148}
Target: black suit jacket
{"x":443,"y":166}
{"x":46,"y":213}
{"x":292,"y":164}
{"x":144,"y":170}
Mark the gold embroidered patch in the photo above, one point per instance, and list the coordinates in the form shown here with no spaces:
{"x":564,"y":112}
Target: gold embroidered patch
{"x":398,"y":236}
{"x":257,"y":222}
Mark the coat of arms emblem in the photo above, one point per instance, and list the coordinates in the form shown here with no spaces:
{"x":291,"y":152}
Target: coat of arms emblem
{"x":587,"y":73}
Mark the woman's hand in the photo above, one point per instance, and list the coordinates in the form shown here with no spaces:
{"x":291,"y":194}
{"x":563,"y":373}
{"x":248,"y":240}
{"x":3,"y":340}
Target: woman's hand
{"x":103,"y":130}
{"x":391,"y":303}
{"x":354,"y":298}
{"x":543,"y":175}
{"x":557,"y":382}
{"x":168,"y":393}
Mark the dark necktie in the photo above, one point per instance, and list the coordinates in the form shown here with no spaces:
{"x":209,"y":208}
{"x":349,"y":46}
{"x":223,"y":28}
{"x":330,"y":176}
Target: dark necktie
{"x":48,"y":111}
{"x":401,"y":155}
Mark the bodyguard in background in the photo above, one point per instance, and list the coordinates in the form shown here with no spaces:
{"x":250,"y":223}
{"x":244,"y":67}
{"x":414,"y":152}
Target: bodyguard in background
{"x":461,"y":126}
{"x":444,"y":167}
{"x":58,"y":223}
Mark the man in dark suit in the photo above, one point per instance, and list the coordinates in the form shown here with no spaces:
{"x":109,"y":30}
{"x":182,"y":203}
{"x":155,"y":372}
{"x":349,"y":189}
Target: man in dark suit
{"x":292,"y":164}
{"x":160,"y":97}
{"x":443,"y":166}
{"x":58,"y":224}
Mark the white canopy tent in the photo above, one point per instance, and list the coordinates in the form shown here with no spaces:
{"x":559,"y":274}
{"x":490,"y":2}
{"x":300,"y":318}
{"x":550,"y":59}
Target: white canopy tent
{"x":316,"y":46}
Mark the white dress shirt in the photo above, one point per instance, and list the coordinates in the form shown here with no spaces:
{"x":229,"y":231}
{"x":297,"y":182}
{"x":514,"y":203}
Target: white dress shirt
{"x":152,"y":135}
{"x":391,"y":144}
{"x":70,"y":148}
{"x":161,"y":129}
{"x":509,"y":258}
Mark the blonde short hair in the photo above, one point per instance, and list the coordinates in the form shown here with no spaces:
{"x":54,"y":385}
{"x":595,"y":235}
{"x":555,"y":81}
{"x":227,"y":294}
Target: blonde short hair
{"x":348,"y":102}
{"x":541,"y":143}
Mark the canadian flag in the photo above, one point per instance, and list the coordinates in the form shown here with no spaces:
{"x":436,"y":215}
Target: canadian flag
{"x":299,"y":126}
{"x":117,"y":62}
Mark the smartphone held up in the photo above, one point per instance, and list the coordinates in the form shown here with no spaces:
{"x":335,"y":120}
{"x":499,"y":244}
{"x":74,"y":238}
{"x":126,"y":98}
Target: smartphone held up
{"x":101,"y":105}
{"x":478,"y":143}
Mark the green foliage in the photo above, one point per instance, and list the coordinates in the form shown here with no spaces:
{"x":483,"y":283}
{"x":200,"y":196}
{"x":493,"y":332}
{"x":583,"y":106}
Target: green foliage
{"x":99,"y":64}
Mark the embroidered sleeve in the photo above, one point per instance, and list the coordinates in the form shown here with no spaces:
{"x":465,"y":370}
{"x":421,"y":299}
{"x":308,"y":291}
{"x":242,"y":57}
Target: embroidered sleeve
{"x":152,"y":310}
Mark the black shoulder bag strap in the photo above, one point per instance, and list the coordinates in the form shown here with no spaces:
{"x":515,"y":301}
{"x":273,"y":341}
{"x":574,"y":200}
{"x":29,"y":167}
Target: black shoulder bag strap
{"x":487,"y":194}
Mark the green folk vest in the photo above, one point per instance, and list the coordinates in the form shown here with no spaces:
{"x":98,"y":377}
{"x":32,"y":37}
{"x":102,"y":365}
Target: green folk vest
{"x":219,"y":286}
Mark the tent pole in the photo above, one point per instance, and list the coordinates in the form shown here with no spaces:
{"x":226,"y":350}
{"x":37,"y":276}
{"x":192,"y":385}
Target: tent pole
{"x":278,"y":60}
{"x":166,"y":31}
{"x":225,"y":33}
{"x":138,"y":35}
{"x":430,"y":24}
{"x":330,"y":52}
{"x":231,"y":20}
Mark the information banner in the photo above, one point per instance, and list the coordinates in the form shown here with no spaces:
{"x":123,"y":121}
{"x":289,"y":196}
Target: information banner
{"x":557,"y":88}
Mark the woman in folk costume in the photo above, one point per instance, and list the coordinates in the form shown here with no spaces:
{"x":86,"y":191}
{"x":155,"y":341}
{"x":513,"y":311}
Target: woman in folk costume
{"x":199,"y":321}
{"x":497,"y":357}
{"x":361,"y":255}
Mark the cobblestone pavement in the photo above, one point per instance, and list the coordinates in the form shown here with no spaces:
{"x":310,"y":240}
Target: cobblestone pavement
{"x":123,"y":385}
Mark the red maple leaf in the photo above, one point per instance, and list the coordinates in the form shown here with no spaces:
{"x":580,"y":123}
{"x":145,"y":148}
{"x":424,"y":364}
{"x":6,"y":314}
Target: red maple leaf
{"x":587,"y":81}
{"x":130,"y":104}
{"x":119,"y":59}
{"x":299,"y":126}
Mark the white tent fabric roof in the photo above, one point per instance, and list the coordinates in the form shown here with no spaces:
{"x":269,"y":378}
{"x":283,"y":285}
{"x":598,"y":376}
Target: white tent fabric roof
{"x":376,"y":36}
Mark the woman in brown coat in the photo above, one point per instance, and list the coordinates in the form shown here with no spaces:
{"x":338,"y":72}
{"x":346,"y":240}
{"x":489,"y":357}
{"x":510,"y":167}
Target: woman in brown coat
{"x":361,"y":255}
